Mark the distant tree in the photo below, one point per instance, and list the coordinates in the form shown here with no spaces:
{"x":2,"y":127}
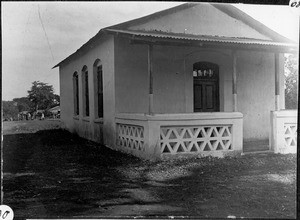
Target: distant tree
{"x":56,"y":100}
{"x":10,"y":109}
{"x":41,"y":96}
{"x":291,"y":81}
{"x":23,"y":104}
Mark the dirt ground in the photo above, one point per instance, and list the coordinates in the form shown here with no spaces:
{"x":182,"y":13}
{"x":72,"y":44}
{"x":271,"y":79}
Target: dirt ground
{"x":52,"y":173}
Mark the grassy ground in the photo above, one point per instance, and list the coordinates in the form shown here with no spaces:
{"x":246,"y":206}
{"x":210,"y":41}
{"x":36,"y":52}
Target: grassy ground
{"x":30,"y":126}
{"x":53,"y":173}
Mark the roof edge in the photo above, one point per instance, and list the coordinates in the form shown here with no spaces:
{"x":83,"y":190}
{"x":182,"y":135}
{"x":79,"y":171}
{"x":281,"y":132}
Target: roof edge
{"x":203,"y":38}
{"x":82,"y":48}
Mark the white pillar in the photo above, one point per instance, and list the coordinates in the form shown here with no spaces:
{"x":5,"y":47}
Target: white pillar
{"x":150,"y":77}
{"x":234,"y":88}
{"x":277,"y":86}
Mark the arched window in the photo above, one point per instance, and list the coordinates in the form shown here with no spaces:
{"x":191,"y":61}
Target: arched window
{"x":98,"y":76}
{"x":76,"y":93}
{"x":85,"y":91}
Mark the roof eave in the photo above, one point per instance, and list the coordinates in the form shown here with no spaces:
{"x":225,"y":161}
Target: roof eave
{"x":168,"y":36}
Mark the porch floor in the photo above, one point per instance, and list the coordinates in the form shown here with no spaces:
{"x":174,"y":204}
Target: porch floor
{"x":255,"y":146}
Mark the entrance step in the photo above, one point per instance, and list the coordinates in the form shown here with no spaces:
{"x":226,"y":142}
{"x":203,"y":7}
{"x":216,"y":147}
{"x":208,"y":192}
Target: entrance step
{"x":258,"y":145}
{"x":258,"y":152}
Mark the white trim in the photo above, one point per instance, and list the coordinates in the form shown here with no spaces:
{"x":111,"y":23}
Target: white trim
{"x":285,"y":113}
{"x":180,"y":116}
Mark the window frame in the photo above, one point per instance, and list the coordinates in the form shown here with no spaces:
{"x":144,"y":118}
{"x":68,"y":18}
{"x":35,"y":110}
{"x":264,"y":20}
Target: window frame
{"x":98,"y":89}
{"x":76,"y":93}
{"x":85,"y":92}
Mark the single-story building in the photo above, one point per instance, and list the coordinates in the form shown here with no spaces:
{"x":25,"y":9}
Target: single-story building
{"x":55,"y":111}
{"x":197,"y":79}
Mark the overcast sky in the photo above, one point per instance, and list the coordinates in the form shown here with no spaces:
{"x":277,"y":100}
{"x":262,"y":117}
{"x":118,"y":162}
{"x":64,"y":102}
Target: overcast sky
{"x":38,"y":35}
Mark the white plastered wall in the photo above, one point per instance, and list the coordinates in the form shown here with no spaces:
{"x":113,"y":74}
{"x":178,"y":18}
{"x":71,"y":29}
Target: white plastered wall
{"x":90,"y":127}
{"x":172,"y":77}
{"x":256,"y":91}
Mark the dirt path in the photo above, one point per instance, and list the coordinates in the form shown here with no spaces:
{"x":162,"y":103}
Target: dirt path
{"x":55,"y":174}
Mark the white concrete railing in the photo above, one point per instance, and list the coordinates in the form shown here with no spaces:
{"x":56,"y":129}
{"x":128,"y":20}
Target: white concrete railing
{"x":166,"y":135}
{"x":283,"y":136}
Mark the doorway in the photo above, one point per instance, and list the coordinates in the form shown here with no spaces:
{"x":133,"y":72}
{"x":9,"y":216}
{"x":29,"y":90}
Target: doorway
{"x":206,"y":87}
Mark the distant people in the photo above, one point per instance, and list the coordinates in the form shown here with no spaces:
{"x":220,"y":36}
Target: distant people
{"x":42,"y":117}
{"x":29,"y":116}
{"x":34,"y":115}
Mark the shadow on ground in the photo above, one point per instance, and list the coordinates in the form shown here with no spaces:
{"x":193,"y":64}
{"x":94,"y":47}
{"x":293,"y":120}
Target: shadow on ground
{"x":56,"y":174}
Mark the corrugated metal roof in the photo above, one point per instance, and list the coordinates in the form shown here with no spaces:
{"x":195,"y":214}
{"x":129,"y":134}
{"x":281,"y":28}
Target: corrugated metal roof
{"x":219,"y":39}
{"x":55,"y":108}
{"x":137,"y":28}
{"x":211,"y":19}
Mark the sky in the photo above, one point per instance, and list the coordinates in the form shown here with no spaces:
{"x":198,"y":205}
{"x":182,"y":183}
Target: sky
{"x":38,"y":35}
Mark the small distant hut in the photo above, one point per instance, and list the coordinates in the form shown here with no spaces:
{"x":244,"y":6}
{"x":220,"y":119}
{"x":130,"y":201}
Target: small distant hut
{"x":55,"y":111}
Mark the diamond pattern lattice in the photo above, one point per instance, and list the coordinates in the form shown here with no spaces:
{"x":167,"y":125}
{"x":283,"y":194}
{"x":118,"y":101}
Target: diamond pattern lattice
{"x":130,"y":136}
{"x":290,"y":135}
{"x":195,"y":139}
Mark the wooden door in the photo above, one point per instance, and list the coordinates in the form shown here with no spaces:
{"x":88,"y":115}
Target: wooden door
{"x":206,"y":87}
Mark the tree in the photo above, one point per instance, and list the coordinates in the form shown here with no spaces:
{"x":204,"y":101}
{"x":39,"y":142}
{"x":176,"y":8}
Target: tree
{"x":41,"y":96}
{"x":291,"y":81}
{"x":23,"y":104}
{"x":10,"y":109}
{"x":56,"y":100}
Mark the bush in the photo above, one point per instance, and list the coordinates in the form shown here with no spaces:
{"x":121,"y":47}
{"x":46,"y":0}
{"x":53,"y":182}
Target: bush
{"x":291,"y":81}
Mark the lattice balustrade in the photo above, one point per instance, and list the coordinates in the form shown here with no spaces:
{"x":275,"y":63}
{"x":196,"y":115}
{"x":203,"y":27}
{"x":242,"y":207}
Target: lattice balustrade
{"x":195,"y":139}
{"x":131,"y":136}
{"x":290,"y":135}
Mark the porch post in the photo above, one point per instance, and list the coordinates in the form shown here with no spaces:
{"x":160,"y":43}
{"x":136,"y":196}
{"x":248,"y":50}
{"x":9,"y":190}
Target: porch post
{"x":234,"y":88}
{"x":150,"y":77}
{"x":277,"y":77}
